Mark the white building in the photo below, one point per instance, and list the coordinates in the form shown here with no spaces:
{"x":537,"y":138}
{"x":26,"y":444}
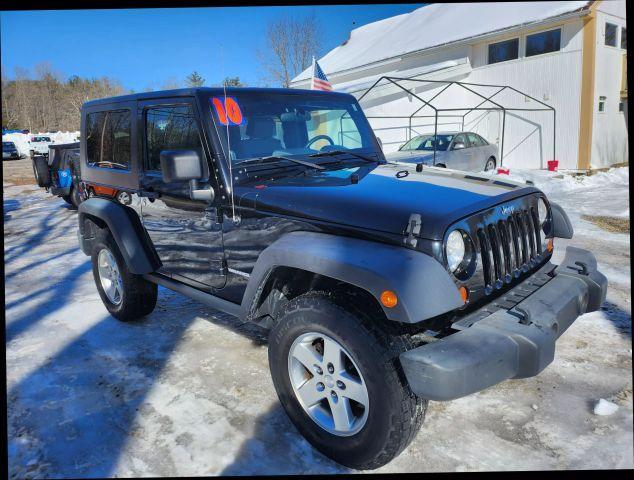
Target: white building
{"x":569,"y":55}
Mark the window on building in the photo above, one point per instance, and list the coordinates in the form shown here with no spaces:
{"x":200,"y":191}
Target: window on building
{"x":602,"y":104}
{"x":621,"y":106}
{"x":108,"y":139}
{"x":610,"y":34}
{"x":171,"y":127}
{"x":504,"y":51}
{"x":623,"y":38}
{"x":543,"y":42}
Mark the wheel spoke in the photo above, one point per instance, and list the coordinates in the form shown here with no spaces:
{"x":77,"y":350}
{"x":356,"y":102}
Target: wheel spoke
{"x":341,"y":413}
{"x":332,"y":354}
{"x":355,"y":390}
{"x":307,"y":356}
{"x":309,"y":394}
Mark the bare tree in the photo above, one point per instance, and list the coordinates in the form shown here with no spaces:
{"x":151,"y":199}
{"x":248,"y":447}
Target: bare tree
{"x":291,"y":43}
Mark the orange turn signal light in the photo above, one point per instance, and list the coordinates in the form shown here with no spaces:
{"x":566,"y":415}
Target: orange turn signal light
{"x":550,"y":245}
{"x":389,"y":299}
{"x":464,"y":294}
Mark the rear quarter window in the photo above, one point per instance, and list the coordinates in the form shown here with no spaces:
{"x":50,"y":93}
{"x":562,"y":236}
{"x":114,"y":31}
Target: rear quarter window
{"x":108,"y":139}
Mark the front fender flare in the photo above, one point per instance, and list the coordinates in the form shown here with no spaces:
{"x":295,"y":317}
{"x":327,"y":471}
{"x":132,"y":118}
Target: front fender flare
{"x":422,"y":284}
{"x":126,"y":229}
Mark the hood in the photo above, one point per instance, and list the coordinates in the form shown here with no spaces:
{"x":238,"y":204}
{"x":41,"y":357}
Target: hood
{"x":414,"y":156}
{"x":384,"y":197}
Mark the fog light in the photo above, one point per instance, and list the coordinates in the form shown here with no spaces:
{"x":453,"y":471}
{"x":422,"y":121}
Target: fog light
{"x":389,"y":299}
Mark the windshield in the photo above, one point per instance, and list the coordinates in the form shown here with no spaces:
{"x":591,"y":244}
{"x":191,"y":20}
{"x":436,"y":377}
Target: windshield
{"x":41,"y":139}
{"x":426,"y":143}
{"x":255,"y":125}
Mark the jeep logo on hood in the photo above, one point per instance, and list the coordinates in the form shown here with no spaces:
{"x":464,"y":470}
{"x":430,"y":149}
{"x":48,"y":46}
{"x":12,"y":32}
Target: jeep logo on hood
{"x":508,"y":209}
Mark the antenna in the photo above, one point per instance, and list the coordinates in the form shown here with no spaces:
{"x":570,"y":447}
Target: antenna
{"x":224,"y":87}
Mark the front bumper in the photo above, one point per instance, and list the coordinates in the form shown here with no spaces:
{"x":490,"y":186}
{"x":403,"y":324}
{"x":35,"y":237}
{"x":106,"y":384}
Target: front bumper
{"x":514,"y":343}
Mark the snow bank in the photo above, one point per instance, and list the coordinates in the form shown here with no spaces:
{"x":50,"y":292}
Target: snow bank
{"x":605,"y":408}
{"x":21,"y":140}
{"x":431,"y":26}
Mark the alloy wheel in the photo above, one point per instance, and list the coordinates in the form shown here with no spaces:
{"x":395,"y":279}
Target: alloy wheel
{"x":109,"y":276}
{"x":328,"y":384}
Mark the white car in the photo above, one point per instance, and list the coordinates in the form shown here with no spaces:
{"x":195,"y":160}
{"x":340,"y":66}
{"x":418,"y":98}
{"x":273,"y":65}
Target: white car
{"x":39,"y":145}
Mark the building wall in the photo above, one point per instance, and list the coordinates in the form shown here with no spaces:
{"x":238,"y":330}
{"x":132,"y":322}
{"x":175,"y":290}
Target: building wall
{"x":609,"y":137}
{"x":553,"y":78}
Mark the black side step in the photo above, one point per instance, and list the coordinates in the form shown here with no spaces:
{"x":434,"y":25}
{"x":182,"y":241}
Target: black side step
{"x":198,"y":295}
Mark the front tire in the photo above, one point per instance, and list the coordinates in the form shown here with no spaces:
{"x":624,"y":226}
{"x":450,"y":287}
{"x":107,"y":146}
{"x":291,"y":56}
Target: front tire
{"x":490,"y":165}
{"x":126,"y":296}
{"x":370,"y":417}
{"x":75,"y":198}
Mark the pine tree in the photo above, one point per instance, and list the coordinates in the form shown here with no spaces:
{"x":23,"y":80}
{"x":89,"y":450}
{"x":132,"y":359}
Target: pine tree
{"x":194,"y":80}
{"x":232,"y":82}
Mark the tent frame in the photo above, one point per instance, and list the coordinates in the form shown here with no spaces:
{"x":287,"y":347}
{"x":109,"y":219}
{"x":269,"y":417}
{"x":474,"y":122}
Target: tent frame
{"x":465,"y":85}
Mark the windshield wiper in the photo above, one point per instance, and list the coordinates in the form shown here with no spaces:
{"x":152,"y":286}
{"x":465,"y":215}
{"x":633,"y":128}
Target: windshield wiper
{"x":277,"y":158}
{"x":334,"y":153}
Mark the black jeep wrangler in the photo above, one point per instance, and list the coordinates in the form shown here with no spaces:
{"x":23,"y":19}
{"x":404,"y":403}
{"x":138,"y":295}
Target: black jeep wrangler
{"x":383,"y":285}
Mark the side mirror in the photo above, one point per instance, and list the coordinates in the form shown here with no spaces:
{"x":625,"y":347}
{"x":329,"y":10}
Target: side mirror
{"x":458,"y":146}
{"x":180,"y":165}
{"x":185,"y":165}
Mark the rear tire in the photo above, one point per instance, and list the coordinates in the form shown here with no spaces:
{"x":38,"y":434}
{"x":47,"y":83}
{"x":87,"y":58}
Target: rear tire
{"x":41,"y":171}
{"x":394,"y":414}
{"x":75,"y":198}
{"x":126,"y":296}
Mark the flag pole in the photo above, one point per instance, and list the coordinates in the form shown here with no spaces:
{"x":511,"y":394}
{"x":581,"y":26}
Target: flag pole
{"x":312,"y":78}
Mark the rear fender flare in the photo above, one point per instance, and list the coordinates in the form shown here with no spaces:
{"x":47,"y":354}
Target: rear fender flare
{"x":126,"y":229}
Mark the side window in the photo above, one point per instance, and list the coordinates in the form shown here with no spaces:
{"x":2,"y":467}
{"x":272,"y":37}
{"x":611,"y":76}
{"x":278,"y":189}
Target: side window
{"x":474,"y":140}
{"x":543,"y":42}
{"x":483,"y":142}
{"x":171,"y":127}
{"x":108,"y":139}
{"x":503,"y":51}
{"x":462,"y":138}
{"x":610,"y":34}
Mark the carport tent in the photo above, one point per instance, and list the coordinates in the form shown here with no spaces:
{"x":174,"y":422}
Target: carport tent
{"x":479,"y":97}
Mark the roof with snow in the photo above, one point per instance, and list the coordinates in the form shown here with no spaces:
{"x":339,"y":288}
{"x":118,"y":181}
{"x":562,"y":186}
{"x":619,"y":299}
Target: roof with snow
{"x":432,"y":26}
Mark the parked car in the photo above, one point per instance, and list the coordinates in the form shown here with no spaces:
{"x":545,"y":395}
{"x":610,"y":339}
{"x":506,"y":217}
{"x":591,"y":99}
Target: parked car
{"x":58,"y":172}
{"x":382,"y":287}
{"x":39,"y":145}
{"x":10,"y":151}
{"x":457,"y":150}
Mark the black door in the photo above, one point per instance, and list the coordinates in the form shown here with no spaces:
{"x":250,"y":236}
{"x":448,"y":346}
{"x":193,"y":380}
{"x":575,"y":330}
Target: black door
{"x":185,"y":232}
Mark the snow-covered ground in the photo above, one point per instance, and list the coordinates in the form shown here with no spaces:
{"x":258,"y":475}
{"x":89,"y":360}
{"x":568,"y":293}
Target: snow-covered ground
{"x":187,"y":391}
{"x":21,"y":140}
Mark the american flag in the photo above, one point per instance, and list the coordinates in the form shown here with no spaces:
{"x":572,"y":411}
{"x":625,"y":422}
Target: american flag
{"x":319,"y":80}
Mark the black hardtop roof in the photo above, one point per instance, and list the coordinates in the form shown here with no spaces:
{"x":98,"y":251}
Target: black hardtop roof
{"x":64,"y":146}
{"x":199,"y":91}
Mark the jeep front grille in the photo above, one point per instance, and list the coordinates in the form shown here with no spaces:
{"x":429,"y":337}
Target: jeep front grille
{"x":509,"y":247}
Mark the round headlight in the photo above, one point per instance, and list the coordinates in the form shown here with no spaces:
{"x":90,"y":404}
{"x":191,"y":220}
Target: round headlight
{"x":455,"y":250}
{"x":542,"y":211}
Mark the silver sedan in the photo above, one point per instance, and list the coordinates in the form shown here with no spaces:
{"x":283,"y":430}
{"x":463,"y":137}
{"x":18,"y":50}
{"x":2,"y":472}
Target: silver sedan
{"x":456,"y":150}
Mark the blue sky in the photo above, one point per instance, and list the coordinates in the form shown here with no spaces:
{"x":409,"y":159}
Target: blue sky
{"x":148,"y":47}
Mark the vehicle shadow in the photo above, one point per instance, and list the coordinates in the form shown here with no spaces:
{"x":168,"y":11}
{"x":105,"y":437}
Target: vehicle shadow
{"x":277,"y":448}
{"x":72,"y":416}
{"x":620,"y":318}
{"x":57,"y":298}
